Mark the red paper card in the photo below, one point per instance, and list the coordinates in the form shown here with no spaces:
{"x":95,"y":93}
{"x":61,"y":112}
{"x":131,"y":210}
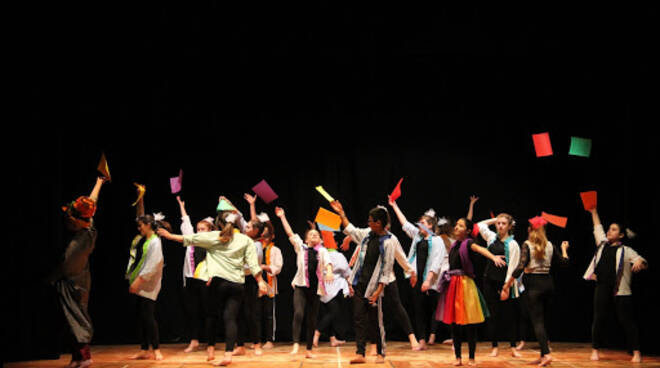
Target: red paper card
{"x":396,"y":193}
{"x":589,"y":200}
{"x":542,"y":144}
{"x":328,"y":239}
{"x":555,"y":220}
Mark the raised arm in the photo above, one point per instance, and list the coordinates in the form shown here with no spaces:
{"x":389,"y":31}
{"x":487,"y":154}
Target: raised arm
{"x":182,"y":206}
{"x":397,"y":211}
{"x":279,"y":212}
{"x":336,"y":205}
{"x":473,"y":200}
{"x":251,"y":200}
{"x":594,"y":217}
{"x":97,"y":188}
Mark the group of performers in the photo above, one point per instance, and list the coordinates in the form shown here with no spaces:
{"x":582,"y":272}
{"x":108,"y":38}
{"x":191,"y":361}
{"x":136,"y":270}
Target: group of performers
{"x":231,"y":268}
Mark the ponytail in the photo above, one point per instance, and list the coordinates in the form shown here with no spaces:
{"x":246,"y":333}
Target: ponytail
{"x":227,"y":233}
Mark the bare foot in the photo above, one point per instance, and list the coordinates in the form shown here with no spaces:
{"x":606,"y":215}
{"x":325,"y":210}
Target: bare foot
{"x":416,"y":347}
{"x":84,"y":364}
{"x":494,"y":352}
{"x":143,"y":354}
{"x":373,"y":351}
{"x":431,"y":339}
{"x":515,"y":353}
{"x":158,"y":355}
{"x":295,"y":348}
{"x":472,"y":363}
{"x":336,"y":342}
{"x":535,"y":362}
{"x":309,"y":354}
{"x":210,"y":353}
{"x":520,"y":345}
{"x":546,"y":360}
{"x":637,"y":357}
{"x":448,"y":342}
{"x":458,"y":362}
{"x":380,"y":359}
{"x":239,"y":350}
{"x":422,"y":345}
{"x":594,"y":355}
{"x":226,"y":360}
{"x":315,"y":341}
{"x":257,"y":350}
{"x":268,"y":345}
{"x":359,"y":359}
{"x":194,"y":344}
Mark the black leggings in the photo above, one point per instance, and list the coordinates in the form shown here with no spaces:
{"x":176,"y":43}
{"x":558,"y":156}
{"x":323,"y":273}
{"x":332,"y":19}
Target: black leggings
{"x":368,"y":323}
{"x":606,"y":304}
{"x":459,"y":333}
{"x":147,"y":326}
{"x":305,"y":306}
{"x":330,"y":318}
{"x":266,"y":306}
{"x":424,"y":304}
{"x":250,"y":315}
{"x":501,"y":312}
{"x":196,"y":296}
{"x":224,"y":297}
{"x":538,"y":293}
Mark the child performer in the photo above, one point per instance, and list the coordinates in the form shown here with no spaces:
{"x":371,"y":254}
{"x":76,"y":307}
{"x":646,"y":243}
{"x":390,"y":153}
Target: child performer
{"x":501,"y":243}
{"x":195,"y":277}
{"x":72,"y":278}
{"x":612,"y":267}
{"x":428,"y":258}
{"x":271,"y":266}
{"x":537,"y":257}
{"x":461,"y":304}
{"x":227,"y":252}
{"x":311,"y":259}
{"x":144,"y":274}
{"x":336,"y":291}
{"x":369,"y":276}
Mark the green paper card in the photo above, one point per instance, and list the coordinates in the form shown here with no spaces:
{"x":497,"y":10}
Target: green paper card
{"x":580,"y":147}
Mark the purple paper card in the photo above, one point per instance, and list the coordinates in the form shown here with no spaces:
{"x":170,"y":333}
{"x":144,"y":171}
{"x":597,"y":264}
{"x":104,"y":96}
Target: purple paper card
{"x":264,"y":191}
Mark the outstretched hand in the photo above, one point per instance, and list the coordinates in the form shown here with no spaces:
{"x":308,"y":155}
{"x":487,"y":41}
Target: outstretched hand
{"x":499,"y":261}
{"x":279,"y":212}
{"x":250,"y":198}
{"x":473,"y":199}
{"x":345,"y":244}
{"x":336,"y":205}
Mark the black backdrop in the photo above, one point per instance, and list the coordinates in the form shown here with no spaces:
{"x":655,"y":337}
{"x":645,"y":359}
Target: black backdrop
{"x":349,"y":98}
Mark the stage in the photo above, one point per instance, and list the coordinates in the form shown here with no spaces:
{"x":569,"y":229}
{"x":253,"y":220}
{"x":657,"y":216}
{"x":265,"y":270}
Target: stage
{"x":573,"y":355}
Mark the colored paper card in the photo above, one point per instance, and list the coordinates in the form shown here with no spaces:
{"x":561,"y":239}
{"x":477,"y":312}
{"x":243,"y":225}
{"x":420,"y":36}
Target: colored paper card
{"x":328,"y":218}
{"x":324,"y":193}
{"x":555,"y":220}
{"x":175,"y":182}
{"x":325,"y":228}
{"x":141,"y":190}
{"x":103,"y":167}
{"x":426,"y":229}
{"x":580,"y":147}
{"x":589,"y":200}
{"x":224,"y":205}
{"x":542,"y":144}
{"x":396,"y":193}
{"x":328,"y":239}
{"x":264,"y":191}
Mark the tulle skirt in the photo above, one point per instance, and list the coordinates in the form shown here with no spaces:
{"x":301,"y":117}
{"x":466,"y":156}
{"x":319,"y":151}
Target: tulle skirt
{"x":462,"y":303}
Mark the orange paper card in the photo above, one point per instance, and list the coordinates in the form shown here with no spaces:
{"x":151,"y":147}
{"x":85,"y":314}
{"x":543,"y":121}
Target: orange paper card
{"x":328,"y":218}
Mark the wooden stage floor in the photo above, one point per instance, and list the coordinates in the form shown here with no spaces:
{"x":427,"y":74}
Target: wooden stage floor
{"x":571,"y":355}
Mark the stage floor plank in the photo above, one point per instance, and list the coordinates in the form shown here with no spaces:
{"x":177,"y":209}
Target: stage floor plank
{"x":569,"y":355}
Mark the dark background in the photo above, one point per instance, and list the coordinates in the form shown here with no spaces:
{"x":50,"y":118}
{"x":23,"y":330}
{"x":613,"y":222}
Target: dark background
{"x":351,"y":98}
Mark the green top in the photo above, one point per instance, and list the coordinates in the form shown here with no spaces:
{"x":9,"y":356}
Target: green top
{"x":226,"y":260}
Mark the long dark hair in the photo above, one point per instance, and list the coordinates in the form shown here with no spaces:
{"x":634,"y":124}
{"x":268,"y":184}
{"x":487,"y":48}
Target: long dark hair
{"x":153,"y":223}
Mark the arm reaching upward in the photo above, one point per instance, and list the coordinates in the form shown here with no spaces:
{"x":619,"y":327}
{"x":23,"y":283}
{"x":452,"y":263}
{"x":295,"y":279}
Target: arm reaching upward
{"x":251,"y":200}
{"x":397,"y":211}
{"x":97,"y":189}
{"x":336,"y":205}
{"x":473,"y":200}
{"x":279,"y":212}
